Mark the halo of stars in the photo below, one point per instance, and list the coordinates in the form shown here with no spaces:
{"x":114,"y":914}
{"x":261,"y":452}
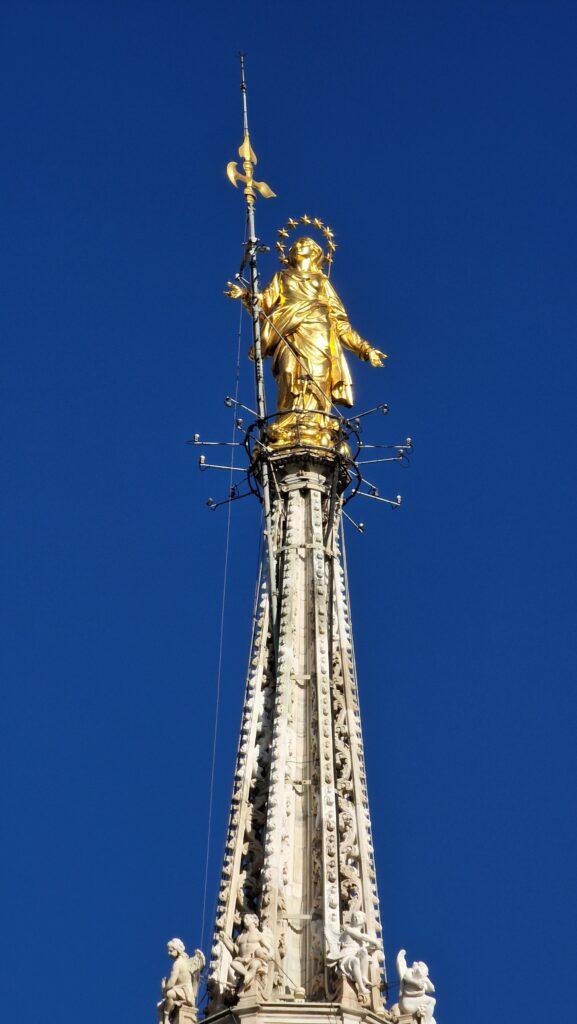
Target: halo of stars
{"x":313,"y":222}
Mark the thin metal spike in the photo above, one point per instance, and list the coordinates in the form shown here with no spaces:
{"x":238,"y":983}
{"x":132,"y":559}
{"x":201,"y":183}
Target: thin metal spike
{"x":203,"y":464}
{"x":213,"y":444}
{"x":383,"y":408}
{"x":359,"y":527}
{"x":385,"y":501}
{"x":229,"y":402}
{"x":373,"y":462}
{"x":212,"y":504}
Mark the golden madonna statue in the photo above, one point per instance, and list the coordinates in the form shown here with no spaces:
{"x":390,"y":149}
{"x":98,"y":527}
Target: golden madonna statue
{"x":304,"y":330}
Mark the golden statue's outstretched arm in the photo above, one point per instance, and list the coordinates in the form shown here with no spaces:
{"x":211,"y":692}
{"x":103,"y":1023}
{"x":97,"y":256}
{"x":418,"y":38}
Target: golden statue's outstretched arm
{"x":348,"y":337}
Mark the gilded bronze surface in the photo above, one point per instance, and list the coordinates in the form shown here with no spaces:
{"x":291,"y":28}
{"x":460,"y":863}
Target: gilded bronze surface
{"x":305,"y":331}
{"x":249,"y":160}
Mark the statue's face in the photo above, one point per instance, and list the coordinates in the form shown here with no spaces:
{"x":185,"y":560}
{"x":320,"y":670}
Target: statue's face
{"x":305,"y":255}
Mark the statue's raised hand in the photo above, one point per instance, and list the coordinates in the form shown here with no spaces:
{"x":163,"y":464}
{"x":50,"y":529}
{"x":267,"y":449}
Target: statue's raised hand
{"x":235,"y":291}
{"x":377,"y":358}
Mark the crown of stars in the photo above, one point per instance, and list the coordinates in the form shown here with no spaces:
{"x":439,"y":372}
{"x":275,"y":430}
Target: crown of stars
{"x":314,"y":222}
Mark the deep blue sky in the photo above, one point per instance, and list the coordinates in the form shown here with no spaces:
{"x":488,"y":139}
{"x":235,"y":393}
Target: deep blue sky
{"x":439,"y":141}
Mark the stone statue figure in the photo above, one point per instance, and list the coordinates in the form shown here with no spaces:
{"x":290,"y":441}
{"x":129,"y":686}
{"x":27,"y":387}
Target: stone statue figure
{"x":415,"y":988}
{"x":305,"y":329}
{"x":251,"y":952}
{"x":181,"y":987}
{"x":350,"y":952}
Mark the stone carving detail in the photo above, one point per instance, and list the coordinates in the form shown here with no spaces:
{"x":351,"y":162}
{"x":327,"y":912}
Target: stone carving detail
{"x":275,"y":867}
{"x":181,"y":987}
{"x":317,"y":981}
{"x":350,"y":879}
{"x":298,"y":861}
{"x":249,"y":889}
{"x":350,"y":952}
{"x":251,"y":952}
{"x":415,"y":988}
{"x":327,"y":804}
{"x":356,"y":854}
{"x":241,"y":880}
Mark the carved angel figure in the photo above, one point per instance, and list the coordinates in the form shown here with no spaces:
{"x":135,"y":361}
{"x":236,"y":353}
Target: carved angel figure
{"x":181,"y":987}
{"x":251,"y":954}
{"x":350,"y":950}
{"x":415,"y":986}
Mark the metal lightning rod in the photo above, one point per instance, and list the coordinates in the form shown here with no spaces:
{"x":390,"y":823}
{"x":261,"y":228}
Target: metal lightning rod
{"x":251,"y":186}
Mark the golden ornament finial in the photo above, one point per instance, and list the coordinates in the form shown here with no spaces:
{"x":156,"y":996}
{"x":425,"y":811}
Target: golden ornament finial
{"x":249,"y":161}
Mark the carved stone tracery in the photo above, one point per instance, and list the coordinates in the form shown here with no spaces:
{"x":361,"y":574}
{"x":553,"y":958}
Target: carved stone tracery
{"x":299,"y":850}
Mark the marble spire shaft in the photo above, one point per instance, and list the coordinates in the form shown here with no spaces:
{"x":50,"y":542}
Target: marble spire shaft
{"x":299,"y":853}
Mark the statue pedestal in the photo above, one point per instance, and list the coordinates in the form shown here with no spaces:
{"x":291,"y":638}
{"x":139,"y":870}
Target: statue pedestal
{"x":297,"y":1012}
{"x":182,"y":1015}
{"x":185,"y":1015}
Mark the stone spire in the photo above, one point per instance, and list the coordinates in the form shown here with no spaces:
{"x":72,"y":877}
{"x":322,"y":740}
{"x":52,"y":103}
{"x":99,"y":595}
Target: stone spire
{"x":298,"y":931}
{"x":299,"y":852}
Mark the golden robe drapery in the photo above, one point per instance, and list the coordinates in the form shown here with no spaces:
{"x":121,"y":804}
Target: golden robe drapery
{"x":304,"y":330}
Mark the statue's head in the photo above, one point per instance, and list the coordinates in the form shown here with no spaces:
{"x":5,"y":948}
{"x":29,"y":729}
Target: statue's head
{"x":358,"y":918}
{"x":175,"y":948}
{"x":250,"y":921}
{"x":306,"y":254}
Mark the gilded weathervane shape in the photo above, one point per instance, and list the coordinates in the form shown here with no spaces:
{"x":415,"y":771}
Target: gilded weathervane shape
{"x":249,"y":161}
